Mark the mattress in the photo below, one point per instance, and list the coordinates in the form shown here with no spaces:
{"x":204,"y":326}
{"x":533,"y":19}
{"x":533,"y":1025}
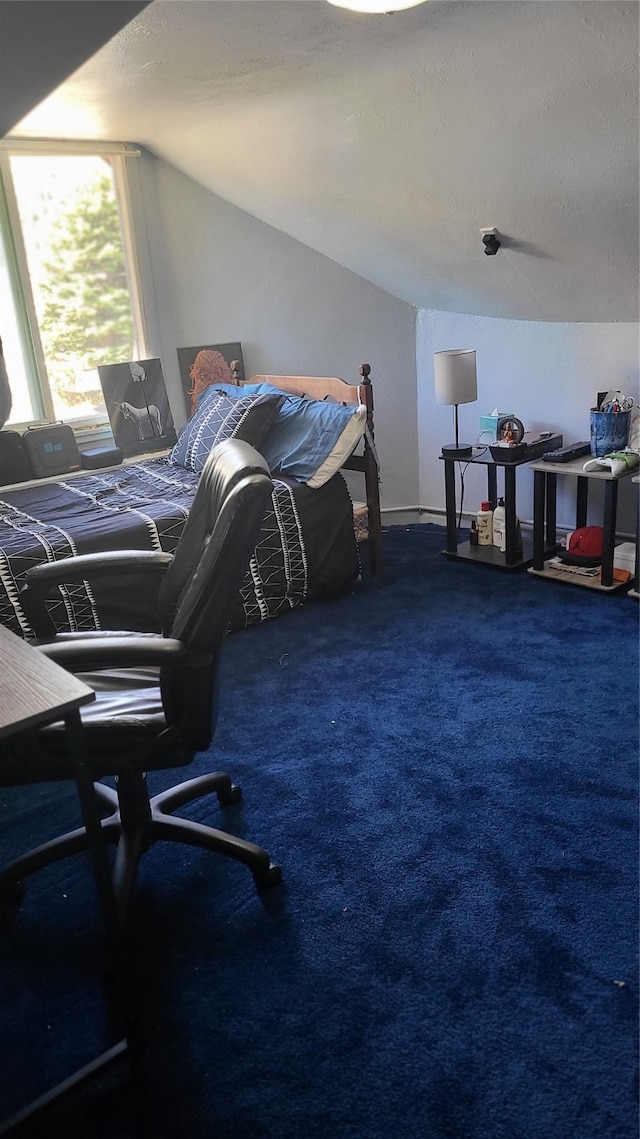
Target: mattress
{"x":306,"y":547}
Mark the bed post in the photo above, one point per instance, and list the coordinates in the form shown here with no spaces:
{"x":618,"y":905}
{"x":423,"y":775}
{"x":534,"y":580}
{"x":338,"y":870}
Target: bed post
{"x":372,"y":478}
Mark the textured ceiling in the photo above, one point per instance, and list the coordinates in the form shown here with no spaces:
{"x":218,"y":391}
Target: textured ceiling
{"x":387,"y":142}
{"x":40,"y":45}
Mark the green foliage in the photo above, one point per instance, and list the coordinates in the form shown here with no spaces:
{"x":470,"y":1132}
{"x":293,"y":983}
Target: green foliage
{"x":87,"y":317}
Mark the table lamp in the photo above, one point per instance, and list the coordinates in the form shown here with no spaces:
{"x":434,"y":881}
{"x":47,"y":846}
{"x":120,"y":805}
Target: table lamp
{"x":456,"y":382}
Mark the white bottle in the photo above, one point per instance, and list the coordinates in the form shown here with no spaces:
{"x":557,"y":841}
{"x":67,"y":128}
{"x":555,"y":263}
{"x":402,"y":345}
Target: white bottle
{"x":499,"y":526}
{"x":484,"y":519}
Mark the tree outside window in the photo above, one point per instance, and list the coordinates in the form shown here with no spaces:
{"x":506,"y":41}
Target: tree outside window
{"x":72,"y":239}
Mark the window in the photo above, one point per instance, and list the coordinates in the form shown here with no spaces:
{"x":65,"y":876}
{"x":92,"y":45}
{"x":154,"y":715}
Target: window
{"x":68,"y":279}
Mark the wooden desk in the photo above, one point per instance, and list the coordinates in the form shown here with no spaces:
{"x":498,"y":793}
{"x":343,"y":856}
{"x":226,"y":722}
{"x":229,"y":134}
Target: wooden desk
{"x":35,"y":691}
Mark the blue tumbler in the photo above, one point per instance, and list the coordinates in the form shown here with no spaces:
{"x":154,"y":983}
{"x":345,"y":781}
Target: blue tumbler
{"x":609,"y":432}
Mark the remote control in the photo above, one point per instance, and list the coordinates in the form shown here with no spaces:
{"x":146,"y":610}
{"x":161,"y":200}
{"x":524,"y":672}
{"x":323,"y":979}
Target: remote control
{"x":564,"y":454}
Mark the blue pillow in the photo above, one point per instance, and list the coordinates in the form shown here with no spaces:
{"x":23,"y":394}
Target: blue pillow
{"x":310,"y":438}
{"x":218,"y":417}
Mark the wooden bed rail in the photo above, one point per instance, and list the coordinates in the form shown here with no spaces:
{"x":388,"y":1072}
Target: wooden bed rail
{"x":316,"y":387}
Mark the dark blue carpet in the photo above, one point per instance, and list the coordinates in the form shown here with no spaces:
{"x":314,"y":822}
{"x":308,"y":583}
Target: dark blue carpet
{"x":445,"y":765}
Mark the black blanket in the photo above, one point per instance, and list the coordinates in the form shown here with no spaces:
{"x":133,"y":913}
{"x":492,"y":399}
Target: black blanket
{"x":306,"y":549}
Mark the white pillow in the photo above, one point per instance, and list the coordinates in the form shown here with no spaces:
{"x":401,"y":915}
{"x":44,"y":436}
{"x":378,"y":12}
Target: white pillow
{"x":347,"y":442}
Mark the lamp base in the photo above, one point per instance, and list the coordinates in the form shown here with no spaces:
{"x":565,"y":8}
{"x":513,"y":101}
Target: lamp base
{"x":457,"y":451}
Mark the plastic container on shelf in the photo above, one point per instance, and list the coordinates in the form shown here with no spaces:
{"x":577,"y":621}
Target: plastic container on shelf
{"x":499,"y":525}
{"x":484,"y":522}
{"x":609,"y":431}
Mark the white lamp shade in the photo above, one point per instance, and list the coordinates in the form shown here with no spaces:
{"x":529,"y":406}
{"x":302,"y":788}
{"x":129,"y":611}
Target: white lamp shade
{"x":455,"y":376}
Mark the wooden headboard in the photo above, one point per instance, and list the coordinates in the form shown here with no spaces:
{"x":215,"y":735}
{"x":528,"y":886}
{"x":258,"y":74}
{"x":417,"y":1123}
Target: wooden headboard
{"x":332,"y":387}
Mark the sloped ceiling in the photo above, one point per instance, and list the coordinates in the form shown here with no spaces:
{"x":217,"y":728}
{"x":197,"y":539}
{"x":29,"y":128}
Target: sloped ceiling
{"x":40,"y":45}
{"x":387,"y":142}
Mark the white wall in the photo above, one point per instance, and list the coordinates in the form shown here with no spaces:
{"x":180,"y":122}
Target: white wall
{"x":219,"y":275}
{"x":545,"y":374}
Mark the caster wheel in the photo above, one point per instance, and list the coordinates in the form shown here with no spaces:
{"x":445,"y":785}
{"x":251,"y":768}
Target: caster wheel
{"x":228,"y":798}
{"x":268,"y":878}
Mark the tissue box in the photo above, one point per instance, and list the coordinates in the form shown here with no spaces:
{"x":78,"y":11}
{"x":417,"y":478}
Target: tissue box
{"x":489,"y":423}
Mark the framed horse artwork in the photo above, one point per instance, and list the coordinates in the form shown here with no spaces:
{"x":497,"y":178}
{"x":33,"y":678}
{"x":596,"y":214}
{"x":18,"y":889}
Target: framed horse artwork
{"x":138,"y":406}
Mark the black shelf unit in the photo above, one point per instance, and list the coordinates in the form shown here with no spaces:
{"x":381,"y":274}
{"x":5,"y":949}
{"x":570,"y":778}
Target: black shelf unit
{"x":545,"y":478}
{"x":513,"y":558}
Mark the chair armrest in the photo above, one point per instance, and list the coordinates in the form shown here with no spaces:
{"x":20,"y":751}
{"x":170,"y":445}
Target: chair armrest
{"x":123,"y":652}
{"x":40,"y":580}
{"x":111,"y":563}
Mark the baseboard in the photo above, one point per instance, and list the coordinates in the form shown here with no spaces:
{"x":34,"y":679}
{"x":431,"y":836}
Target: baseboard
{"x":397,"y":515}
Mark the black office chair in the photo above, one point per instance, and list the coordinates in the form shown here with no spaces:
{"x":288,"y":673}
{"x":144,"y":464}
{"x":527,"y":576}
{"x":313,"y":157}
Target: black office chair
{"x":156,"y":700}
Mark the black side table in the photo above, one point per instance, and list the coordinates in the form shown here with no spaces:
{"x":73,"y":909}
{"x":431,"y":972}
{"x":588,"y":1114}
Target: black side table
{"x":514,"y":557}
{"x":545,"y":478}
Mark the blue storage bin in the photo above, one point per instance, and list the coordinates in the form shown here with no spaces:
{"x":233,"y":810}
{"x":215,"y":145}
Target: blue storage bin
{"x":609,"y":432}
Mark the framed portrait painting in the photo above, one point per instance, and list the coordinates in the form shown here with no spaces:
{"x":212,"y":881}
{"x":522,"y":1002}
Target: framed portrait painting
{"x":207,"y":364}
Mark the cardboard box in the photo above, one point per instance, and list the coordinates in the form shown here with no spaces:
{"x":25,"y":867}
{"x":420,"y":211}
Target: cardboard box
{"x":624,"y":557}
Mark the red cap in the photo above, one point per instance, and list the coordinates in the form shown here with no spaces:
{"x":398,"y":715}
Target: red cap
{"x":584,"y":546}
{"x":486,"y":506}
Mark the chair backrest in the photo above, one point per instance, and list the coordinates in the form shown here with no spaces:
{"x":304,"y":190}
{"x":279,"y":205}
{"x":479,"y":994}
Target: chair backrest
{"x":216,"y":544}
{"x":199,"y":588}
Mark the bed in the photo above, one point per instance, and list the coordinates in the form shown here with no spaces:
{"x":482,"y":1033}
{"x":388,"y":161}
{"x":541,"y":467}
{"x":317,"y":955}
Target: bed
{"x":307,"y":549}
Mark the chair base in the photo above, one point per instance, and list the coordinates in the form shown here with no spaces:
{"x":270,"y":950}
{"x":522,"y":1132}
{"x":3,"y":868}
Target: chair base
{"x":134,"y":822}
{"x":45,"y":1116}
